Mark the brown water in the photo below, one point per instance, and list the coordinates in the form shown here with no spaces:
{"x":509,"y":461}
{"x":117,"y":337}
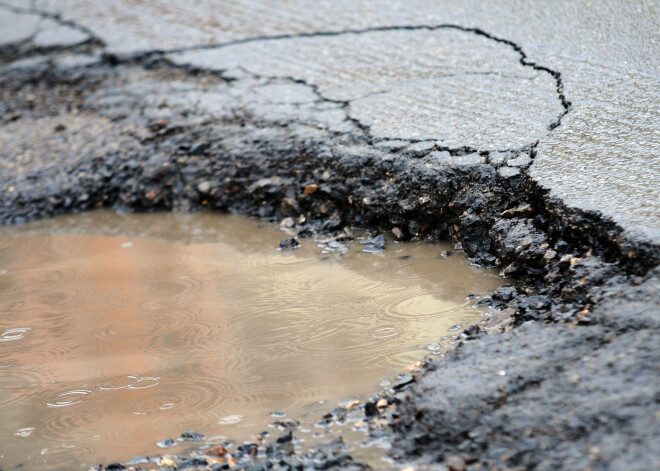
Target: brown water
{"x":118,"y":331}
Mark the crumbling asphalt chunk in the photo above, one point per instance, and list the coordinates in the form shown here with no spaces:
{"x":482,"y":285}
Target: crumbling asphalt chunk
{"x":519,"y":244}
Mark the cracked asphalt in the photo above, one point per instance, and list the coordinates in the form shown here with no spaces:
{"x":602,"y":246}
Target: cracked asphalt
{"x":607,"y":53}
{"x":528,"y":133}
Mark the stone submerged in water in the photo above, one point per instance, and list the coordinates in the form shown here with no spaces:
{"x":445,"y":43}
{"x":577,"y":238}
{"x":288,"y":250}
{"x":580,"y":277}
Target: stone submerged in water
{"x":335,"y":246}
{"x":289,"y":244}
{"x":374,"y":245}
{"x":166,"y":443}
{"x":191,"y":436}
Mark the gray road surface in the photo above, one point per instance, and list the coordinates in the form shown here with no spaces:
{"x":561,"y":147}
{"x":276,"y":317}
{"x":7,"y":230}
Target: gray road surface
{"x":446,"y":85}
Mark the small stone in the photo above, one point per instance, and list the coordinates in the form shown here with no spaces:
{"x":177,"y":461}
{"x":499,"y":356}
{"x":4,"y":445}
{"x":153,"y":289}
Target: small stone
{"x":505,"y":293}
{"x":287,"y":223}
{"x":549,"y":255}
{"x":483,"y":302}
{"x":286,"y":438}
{"x":217,"y":451}
{"x":191,"y":436}
{"x":404,"y":382}
{"x":378,"y":241}
{"x":289,"y":244}
{"x":167,"y":443}
{"x":511,"y":269}
{"x":381,"y":403}
{"x":334,"y":246}
{"x":289,"y":207}
{"x":165,"y":461}
{"x":472,"y":332}
{"x":204,"y":187}
{"x":575,"y":260}
{"x":370,"y":409}
{"x":285,"y":423}
{"x":310,"y":189}
{"x":376,"y":244}
{"x":350,"y":404}
{"x":137,"y":460}
{"x":398,"y":233}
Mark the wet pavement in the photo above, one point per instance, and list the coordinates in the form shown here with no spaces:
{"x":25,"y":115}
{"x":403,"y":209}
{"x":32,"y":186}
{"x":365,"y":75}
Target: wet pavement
{"x":527,"y":134}
{"x":458,"y":88}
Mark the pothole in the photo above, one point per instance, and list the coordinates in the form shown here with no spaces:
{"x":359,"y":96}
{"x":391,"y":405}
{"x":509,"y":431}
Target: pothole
{"x":141,"y":327}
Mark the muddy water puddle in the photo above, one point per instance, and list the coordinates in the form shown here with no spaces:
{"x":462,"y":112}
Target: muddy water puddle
{"x":117,"y":331}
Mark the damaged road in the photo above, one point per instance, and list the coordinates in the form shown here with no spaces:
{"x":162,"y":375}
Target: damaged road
{"x":460,"y":121}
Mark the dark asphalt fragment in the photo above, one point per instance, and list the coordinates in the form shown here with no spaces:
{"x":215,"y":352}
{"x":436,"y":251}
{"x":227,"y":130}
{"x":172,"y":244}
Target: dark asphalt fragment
{"x":289,"y":244}
{"x":191,"y":436}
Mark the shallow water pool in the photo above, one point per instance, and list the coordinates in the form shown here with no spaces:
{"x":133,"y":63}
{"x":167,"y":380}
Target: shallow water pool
{"x":117,"y":331}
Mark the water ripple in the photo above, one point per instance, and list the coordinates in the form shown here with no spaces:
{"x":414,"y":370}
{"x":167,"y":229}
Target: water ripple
{"x":16,"y":333}
{"x":132,"y":345}
{"x":70,"y":398}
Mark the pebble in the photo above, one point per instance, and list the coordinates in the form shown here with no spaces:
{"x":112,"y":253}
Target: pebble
{"x":137,"y":460}
{"x":191,"y":437}
{"x":289,"y":244}
{"x":166,"y":443}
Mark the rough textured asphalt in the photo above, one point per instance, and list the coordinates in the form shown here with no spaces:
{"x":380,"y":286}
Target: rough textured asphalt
{"x":605,"y":156}
{"x":504,"y":400}
{"x":528,"y":135}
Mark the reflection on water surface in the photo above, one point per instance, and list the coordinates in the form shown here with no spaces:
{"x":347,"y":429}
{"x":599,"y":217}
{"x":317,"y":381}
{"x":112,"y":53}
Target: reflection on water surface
{"x":118,"y":331}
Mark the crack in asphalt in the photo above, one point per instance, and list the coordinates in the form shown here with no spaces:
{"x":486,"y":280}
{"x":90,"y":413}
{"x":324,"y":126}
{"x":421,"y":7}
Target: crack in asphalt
{"x":524,"y":60}
{"x":145,"y":56}
{"x":365,"y":129}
